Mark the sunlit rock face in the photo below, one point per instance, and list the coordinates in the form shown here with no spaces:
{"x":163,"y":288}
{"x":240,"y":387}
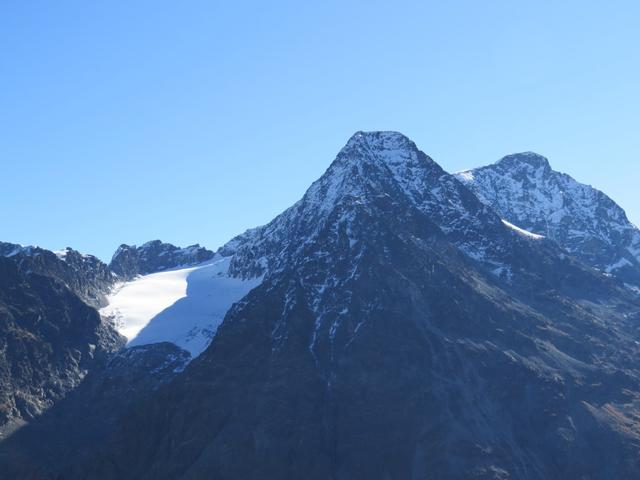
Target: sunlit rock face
{"x":524,"y":190}
{"x":155,"y":256}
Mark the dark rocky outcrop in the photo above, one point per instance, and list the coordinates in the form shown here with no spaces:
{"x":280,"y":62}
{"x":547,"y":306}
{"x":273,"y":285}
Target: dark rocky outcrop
{"x":68,"y":432}
{"x":85,"y":275}
{"x":129,"y":260}
{"x":49,"y":339}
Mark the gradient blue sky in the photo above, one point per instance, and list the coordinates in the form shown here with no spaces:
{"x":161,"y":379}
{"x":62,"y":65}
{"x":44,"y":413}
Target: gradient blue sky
{"x":192,"y":121}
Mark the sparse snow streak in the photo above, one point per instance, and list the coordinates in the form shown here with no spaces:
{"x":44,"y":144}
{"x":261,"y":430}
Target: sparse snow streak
{"x":522,"y":231}
{"x":182,"y":306}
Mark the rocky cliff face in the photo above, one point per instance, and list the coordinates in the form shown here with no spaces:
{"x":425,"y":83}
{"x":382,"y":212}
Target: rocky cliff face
{"x":129,"y":260}
{"x":523,"y":189}
{"x":402,"y":330}
{"x":64,"y":376}
{"x":49,"y":337}
{"x":69,"y":431}
{"x":85,"y":275}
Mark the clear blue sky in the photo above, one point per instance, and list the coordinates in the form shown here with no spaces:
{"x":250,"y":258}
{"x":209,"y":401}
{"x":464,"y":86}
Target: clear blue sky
{"x":191,"y":121}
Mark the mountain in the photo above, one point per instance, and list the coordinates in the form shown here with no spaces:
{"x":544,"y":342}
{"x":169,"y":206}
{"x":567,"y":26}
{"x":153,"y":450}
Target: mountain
{"x":49,"y":337}
{"x":62,"y":365}
{"x":129,"y":260}
{"x":524,"y":190}
{"x":85,"y":275}
{"x":372,"y":167}
{"x":398,"y":328}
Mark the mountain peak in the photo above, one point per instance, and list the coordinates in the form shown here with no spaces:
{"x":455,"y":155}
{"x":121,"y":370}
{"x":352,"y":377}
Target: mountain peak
{"x":524,"y":190}
{"x":380,"y":140}
{"x":386,"y":149}
{"x":530,"y":159}
{"x":383,"y":160}
{"x":376,"y":135}
{"x":376,"y":174}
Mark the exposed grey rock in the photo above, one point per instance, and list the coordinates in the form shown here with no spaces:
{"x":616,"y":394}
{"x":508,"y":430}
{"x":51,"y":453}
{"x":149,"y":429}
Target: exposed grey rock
{"x":70,"y":430}
{"x":85,"y":275}
{"x":523,"y":189}
{"x":49,"y":339}
{"x":129,"y":260}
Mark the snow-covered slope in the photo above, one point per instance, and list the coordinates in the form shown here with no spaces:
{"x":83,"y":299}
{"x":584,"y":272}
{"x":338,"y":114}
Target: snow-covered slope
{"x":133,"y":304}
{"x":183,"y":306}
{"x":525,"y":191}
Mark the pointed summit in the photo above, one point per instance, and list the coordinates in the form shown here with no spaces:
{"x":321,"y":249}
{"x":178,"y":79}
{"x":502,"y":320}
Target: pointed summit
{"x":376,"y":175}
{"x":380,"y":139}
{"x":374,"y":163}
{"x":386,"y":146}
